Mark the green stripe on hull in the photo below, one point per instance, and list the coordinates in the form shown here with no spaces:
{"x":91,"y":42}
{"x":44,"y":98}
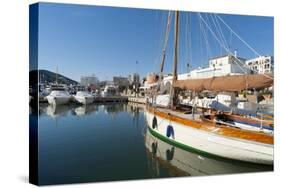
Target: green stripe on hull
{"x":188,"y":148}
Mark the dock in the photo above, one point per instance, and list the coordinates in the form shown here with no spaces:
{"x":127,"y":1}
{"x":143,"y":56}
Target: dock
{"x":111,"y":99}
{"x":140,"y":100}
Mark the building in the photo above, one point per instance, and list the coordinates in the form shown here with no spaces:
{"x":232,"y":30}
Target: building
{"x":221,"y":66}
{"x":121,"y":81}
{"x":218,"y":66}
{"x":134,"y":78}
{"x":89,"y":80}
{"x":261,"y":65}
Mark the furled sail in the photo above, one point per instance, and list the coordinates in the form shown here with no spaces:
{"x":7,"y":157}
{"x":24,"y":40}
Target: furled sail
{"x":227,"y":83}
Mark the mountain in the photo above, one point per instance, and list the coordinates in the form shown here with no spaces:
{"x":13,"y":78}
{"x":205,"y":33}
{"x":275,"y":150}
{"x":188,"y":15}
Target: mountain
{"x":48,"y":76}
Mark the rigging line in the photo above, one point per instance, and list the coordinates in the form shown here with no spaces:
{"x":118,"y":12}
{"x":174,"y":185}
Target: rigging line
{"x":205,"y":40}
{"x":158,"y":56}
{"x":208,"y":49}
{"x":217,"y":46}
{"x":219,"y":26}
{"x":219,"y":34}
{"x":227,"y":49}
{"x":200,"y":42}
{"x":156,"y":41}
{"x":251,"y":48}
{"x":219,"y":41}
{"x":240,"y":66}
{"x":230,"y":40}
{"x":189,"y":34}
{"x":167,"y":32}
{"x":161,"y":41}
{"x":186,"y":42}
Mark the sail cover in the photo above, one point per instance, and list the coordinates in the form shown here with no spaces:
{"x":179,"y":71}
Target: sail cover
{"x":227,"y":83}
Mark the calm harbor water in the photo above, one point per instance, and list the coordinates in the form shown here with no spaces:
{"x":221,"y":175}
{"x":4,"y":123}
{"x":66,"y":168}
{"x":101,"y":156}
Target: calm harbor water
{"x":109,"y":142}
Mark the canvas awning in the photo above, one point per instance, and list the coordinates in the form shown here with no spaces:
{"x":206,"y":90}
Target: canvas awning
{"x":227,"y":83}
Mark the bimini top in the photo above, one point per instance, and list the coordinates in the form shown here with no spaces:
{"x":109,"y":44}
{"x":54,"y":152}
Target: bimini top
{"x":227,"y":83}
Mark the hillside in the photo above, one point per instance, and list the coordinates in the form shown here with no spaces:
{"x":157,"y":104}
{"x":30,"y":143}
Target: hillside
{"x":48,"y":76}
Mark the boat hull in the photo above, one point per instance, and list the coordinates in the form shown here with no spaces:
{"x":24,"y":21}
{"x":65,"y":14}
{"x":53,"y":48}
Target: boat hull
{"x":84,"y":100}
{"x":209,"y":142}
{"x":57,"y":100}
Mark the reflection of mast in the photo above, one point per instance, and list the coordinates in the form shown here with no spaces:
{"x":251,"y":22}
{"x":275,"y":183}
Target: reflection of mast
{"x":176,"y":38}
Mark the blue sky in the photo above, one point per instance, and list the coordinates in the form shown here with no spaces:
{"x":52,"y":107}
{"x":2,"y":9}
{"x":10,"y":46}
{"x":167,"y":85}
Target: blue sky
{"x":107,"y":41}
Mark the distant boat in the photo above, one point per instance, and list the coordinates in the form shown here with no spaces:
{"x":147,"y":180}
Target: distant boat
{"x":58,"y":97}
{"x":84,"y":97}
{"x":109,"y":91}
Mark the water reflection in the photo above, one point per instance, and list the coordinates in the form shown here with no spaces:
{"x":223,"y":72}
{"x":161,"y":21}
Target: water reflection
{"x":106,"y":142}
{"x":86,"y":110}
{"x":182,"y":162}
{"x":81,"y":110}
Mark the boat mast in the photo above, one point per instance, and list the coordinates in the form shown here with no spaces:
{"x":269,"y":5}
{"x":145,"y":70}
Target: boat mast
{"x":57,"y":75}
{"x":176,"y":45}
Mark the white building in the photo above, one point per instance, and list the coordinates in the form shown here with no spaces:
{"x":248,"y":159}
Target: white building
{"x":261,"y":65}
{"x":134,"y":78}
{"x":218,"y":66}
{"x":89,"y":80}
{"x":221,"y":66}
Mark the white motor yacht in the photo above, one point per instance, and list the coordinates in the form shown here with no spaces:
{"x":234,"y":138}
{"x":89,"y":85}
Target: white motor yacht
{"x":84,"y":97}
{"x":109,"y":91}
{"x":58,"y":97}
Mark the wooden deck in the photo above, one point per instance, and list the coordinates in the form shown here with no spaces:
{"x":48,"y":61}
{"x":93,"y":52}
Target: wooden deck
{"x":198,"y":123}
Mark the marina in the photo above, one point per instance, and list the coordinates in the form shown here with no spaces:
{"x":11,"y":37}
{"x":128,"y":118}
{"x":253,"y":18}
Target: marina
{"x":200,"y":102}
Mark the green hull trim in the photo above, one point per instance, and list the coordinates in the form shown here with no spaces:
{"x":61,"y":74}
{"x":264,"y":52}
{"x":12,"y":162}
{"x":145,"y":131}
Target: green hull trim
{"x":189,"y":148}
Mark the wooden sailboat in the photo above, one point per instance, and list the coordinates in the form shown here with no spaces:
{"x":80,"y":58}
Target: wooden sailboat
{"x":194,"y":131}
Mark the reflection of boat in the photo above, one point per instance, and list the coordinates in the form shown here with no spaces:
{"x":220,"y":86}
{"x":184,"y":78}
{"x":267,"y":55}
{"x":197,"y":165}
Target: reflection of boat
{"x":194,"y":164}
{"x":85,"y":109}
{"x":113,"y":108}
{"x":58,"y":97}
{"x":57,"y":111}
{"x":84,"y":97}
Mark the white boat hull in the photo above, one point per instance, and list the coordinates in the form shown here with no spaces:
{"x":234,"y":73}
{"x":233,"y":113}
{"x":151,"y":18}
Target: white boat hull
{"x":58,"y":100}
{"x":84,"y":100}
{"x":212,"y":143}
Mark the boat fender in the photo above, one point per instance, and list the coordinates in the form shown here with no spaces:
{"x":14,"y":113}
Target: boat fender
{"x":154,"y":123}
{"x":170,"y":132}
{"x":154,"y":148}
{"x":170,"y":154}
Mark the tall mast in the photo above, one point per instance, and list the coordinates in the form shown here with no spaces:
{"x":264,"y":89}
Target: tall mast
{"x":176,"y":45}
{"x":57,"y":75}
